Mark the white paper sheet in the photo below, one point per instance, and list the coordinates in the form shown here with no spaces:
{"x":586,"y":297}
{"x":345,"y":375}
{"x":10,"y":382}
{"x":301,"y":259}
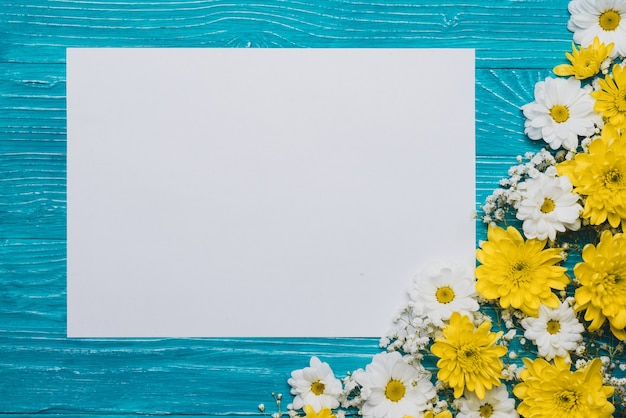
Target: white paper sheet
{"x":262,"y":192}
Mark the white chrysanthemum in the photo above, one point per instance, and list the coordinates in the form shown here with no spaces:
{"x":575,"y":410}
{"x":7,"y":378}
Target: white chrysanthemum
{"x":556,"y":332}
{"x":392,"y":388}
{"x":437,"y":292}
{"x":316,"y":386}
{"x":605,"y":19}
{"x":496,"y":404}
{"x":562,"y":111}
{"x":548,"y":206}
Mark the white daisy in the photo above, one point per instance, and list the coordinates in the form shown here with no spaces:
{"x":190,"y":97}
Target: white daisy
{"x":316,"y":386}
{"x":605,"y":19}
{"x":496,"y":404}
{"x":562,"y":111}
{"x":437,"y":292}
{"x":556,"y":332}
{"x":392,"y":388}
{"x":548,"y":206}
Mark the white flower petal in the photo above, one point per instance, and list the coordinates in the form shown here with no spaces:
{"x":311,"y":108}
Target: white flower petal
{"x":560,"y":343}
{"x":301,"y":382}
{"x":540,"y":224}
{"x":392,"y":366}
{"x":581,"y":118}
{"x":585,"y":23}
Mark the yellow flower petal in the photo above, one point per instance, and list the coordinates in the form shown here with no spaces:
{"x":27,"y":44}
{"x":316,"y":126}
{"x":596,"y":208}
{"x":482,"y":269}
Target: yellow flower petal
{"x":602,"y":277}
{"x":585,"y":62}
{"x":521,"y":274}
{"x":611,"y":98}
{"x":469,"y":356}
{"x":600,"y":176}
{"x":552,"y":390}
{"x":323,"y":413}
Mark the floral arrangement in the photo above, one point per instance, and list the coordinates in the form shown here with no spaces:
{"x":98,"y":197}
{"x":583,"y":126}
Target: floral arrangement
{"x":521,"y":334}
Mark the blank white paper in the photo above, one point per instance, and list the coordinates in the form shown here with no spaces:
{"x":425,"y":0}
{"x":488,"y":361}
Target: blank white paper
{"x":262,"y":192}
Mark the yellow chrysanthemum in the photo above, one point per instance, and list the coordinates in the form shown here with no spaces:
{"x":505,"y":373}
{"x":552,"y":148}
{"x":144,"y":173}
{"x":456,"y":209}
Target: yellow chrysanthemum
{"x":600,"y":175}
{"x":519,"y":273}
{"x":323,"y":413}
{"x":585,"y":62}
{"x":611,"y":133}
{"x":602,"y":277}
{"x":469,"y":357}
{"x":552,"y":390}
{"x":444,"y":414}
{"x":611,"y":98}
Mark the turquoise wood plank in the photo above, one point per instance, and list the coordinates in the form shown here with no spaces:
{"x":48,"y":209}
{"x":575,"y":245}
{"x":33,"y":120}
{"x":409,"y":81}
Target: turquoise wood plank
{"x":43,"y":372}
{"x":32,"y":187}
{"x":506,"y":33}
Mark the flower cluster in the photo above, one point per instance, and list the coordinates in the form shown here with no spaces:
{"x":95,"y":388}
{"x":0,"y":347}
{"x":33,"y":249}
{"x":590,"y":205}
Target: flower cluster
{"x":537,"y":328}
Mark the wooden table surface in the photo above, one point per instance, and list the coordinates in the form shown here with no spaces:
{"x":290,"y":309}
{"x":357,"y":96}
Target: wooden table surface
{"x":41,"y":371}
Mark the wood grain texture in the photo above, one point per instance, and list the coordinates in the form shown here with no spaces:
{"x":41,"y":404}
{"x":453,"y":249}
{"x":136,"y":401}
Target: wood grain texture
{"x":41,"y":371}
{"x":506,"y":33}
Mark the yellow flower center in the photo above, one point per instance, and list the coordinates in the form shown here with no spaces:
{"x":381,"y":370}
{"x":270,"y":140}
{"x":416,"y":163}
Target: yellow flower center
{"x":547,"y":206}
{"x":590,"y":64}
{"x":318,"y":388}
{"x":559,"y":113}
{"x":486,"y":410}
{"x":469,"y":357}
{"x":609,"y":20}
{"x":553,"y":326}
{"x":444,"y":294}
{"x":566,"y":400}
{"x":613,"y":179}
{"x":395,"y":390}
{"x":611,"y":283}
{"x":520,"y":272}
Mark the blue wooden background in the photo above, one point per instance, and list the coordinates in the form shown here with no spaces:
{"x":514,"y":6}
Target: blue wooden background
{"x":41,"y":371}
